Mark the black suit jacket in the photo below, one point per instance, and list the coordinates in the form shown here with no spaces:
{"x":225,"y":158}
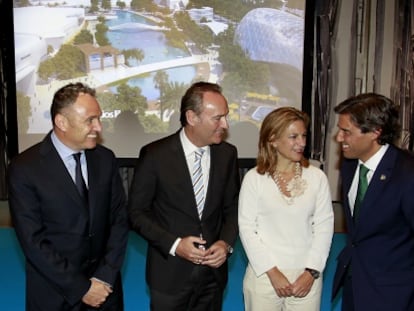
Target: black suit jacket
{"x":380,"y":246}
{"x":163,"y":208}
{"x":65,"y":244}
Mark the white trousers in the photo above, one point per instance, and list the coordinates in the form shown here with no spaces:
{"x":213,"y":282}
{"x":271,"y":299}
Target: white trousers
{"x":259,"y":294}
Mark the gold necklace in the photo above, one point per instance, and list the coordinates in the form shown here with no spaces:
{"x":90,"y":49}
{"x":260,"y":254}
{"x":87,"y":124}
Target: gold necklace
{"x":294,"y":188}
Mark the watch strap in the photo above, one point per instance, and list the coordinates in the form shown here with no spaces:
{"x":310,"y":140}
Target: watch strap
{"x":314,"y":273}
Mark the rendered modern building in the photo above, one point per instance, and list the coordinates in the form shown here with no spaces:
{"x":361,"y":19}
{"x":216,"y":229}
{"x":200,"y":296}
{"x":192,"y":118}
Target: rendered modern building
{"x":206,"y":13}
{"x":60,"y":2}
{"x":33,"y":34}
{"x":173,"y":4}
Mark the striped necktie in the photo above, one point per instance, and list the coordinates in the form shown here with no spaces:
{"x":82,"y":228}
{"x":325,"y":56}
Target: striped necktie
{"x":198,"y":181}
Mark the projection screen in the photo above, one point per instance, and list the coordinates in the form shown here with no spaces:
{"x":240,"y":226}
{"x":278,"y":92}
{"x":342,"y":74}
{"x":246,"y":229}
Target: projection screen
{"x":141,"y":56}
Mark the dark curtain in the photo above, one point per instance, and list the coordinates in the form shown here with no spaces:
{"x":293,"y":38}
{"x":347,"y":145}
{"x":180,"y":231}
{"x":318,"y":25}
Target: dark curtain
{"x":3,"y":140}
{"x":8,"y":120}
{"x":324,"y":24}
{"x":403,"y":86}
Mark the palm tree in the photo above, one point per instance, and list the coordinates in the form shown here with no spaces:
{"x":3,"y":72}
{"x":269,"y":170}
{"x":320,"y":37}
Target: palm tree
{"x":161,"y":82}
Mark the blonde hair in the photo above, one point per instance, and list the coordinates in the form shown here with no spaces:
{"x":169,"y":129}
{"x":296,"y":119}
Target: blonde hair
{"x":273,"y":126}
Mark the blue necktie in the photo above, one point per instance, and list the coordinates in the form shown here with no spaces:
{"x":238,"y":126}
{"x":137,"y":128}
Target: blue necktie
{"x":198,"y":182}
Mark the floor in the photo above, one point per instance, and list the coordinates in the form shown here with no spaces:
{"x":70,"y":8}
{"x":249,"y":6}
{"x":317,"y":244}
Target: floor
{"x":135,"y":290}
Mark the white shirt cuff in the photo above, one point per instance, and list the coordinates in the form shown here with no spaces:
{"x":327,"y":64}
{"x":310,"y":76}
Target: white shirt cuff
{"x":174,"y":247}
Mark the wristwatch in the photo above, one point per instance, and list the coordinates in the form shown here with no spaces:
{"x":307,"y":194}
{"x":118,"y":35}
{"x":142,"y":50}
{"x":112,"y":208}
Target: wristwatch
{"x":315,"y":273}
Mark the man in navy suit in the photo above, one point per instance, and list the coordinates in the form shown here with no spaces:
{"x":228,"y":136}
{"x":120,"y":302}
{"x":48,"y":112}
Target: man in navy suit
{"x":376,"y":267}
{"x":74,"y":241}
{"x":188,"y":247}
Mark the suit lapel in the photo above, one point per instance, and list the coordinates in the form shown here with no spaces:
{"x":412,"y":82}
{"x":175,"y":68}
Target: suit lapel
{"x":58,"y":172}
{"x":210,"y":183}
{"x":378,"y":182}
{"x":93,"y":164}
{"x":214,"y":170}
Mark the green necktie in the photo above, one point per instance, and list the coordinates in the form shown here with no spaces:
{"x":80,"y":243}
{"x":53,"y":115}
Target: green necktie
{"x":362,"y":188}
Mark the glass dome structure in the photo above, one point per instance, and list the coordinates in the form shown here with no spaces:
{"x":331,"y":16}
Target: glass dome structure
{"x":272,"y":35}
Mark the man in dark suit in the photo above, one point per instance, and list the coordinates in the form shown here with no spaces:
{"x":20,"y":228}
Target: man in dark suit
{"x":188,"y":244}
{"x":376,"y":267}
{"x":74,"y":242}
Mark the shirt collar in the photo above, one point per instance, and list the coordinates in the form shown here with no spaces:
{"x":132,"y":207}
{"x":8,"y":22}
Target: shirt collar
{"x":64,"y":151}
{"x":373,"y":162}
{"x":188,"y":146}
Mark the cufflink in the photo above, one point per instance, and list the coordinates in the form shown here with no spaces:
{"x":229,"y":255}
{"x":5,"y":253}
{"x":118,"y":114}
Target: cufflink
{"x":229,"y":250}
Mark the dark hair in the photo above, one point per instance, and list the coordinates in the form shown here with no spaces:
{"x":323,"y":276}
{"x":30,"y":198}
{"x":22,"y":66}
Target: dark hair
{"x":371,"y":112}
{"x":66,"y":96}
{"x":193,"y":98}
{"x":272,"y":128}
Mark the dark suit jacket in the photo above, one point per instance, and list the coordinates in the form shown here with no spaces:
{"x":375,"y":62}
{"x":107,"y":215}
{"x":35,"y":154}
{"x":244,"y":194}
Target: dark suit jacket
{"x":381,"y":245}
{"x":65,"y":243}
{"x":163,"y":208}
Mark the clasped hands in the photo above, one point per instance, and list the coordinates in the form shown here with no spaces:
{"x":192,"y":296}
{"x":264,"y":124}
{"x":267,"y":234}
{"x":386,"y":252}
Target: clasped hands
{"x":97,"y":293}
{"x":299,"y":288}
{"x":193,"y":249}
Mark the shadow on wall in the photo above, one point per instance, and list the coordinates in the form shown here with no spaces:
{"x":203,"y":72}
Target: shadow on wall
{"x":128,"y":135}
{"x":244,"y":135}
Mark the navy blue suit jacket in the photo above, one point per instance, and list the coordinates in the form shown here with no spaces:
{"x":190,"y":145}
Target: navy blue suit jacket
{"x":163,"y":208}
{"x":380,"y":246}
{"x":65,"y":243}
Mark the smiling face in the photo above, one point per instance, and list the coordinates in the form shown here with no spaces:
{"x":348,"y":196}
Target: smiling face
{"x":210,"y":126}
{"x":78,"y":126}
{"x":291,"y":143}
{"x":354,"y":143}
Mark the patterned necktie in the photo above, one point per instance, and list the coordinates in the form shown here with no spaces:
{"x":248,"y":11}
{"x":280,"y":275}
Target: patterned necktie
{"x":362,"y":188}
{"x":80,"y":182}
{"x":198,"y":181}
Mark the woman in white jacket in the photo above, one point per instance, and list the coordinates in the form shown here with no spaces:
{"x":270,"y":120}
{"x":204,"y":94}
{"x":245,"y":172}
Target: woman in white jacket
{"x":286,"y":219}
